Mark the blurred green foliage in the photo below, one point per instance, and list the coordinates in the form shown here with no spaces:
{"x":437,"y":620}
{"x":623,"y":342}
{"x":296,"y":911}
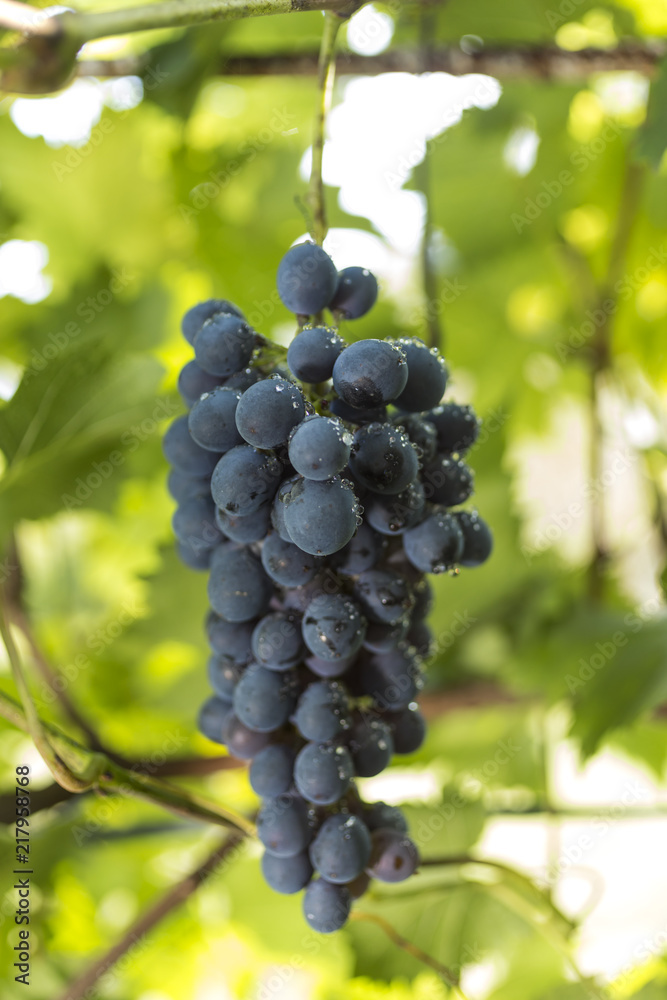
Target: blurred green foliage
{"x":137,"y":229}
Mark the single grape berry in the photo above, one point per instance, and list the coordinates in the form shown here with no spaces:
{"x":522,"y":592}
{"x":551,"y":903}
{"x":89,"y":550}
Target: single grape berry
{"x":193,"y":381}
{"x":286,"y":563}
{"x":379,"y":815}
{"x":436,"y":544}
{"x":321,"y":517}
{"x":223,"y":676}
{"x":224,"y":345}
{"x":184,"y":487}
{"x":194,"y":556}
{"x":270,"y":773}
{"x":421,"y":432}
{"x":371,"y":745}
{"x":382,"y":638}
{"x":447,"y":481}
{"x":277,"y":642}
{"x":268,"y":411}
{"x":322,"y":712}
{"x":392,"y":679}
{"x":184,"y":454}
{"x":193,"y":522}
{"x":283,"y":825}
{"x":427,"y":376}
{"x":477,"y":538}
{"x":394,"y":856}
{"x":264,"y":699}
{"x":312,"y":354}
{"x":229,"y":640}
{"x":247,"y":528}
{"x":356,"y":292}
{"x":319,"y":447}
{"x":383,"y":458}
{"x":212,"y":420}
{"x":457,"y":427}
{"x":242,"y":742}
{"x":392,"y":515}
{"x":306,"y":279}
{"x":323,"y":772}
{"x":370,"y":373}
{"x":362,"y":552}
{"x":408,"y":729}
{"x":326,"y":907}
{"x":341,"y":849}
{"x":244,"y":479}
{"x":238,"y":588}
{"x":384,"y":595}
{"x":287,"y":875}
{"x":212,"y":717}
{"x":333,"y":627}
{"x":195,"y":317}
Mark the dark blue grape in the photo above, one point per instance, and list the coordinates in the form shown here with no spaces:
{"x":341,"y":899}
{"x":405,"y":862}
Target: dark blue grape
{"x":298,"y":598}
{"x":384,"y":595}
{"x":322,"y":772}
{"x":242,"y":742}
{"x":421,"y":432}
{"x":392,"y":515}
{"x":421,"y":637}
{"x":195,"y":317}
{"x":380,"y":816}
{"x":287,"y":875}
{"x":394,"y":856}
{"x":184,"y":454}
{"x":313,"y":352}
{"x":358,"y":886}
{"x":238,"y":588}
{"x":321,"y":517}
{"x":408,"y":729}
{"x":392,"y":679}
{"x":370,"y":373}
{"x":322,"y":712}
{"x":184,"y":487}
{"x":194,"y":523}
{"x":382,"y":638}
{"x":286,"y":563}
{"x":354,"y":415}
{"x":229,"y":640}
{"x":224,"y":345}
{"x":427,"y":376}
{"x":477,"y":538}
{"x":223,"y":676}
{"x":212,"y":718}
{"x":283,"y":825}
{"x":264,"y":699}
{"x":447,"y":481}
{"x":193,"y":381}
{"x":193,"y":556}
{"x":457,"y":427}
{"x":356,"y":292}
{"x":277,"y":642}
{"x":383,"y":459}
{"x":268,"y":411}
{"x":306,"y":279}
{"x":330,"y":668}
{"x":247,"y":529}
{"x":362,"y":552}
{"x":326,"y":907}
{"x":371,"y":745}
{"x":242,"y":380}
{"x":436,"y":544}
{"x":341,"y":849}
{"x":212,"y":420}
{"x":271,"y":771}
{"x":319,"y":447}
{"x":244,"y":479}
{"x":333,"y":626}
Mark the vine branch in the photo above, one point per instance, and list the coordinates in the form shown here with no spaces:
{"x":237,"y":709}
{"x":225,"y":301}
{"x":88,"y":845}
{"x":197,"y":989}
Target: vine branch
{"x":326,"y":70}
{"x":172,"y":899}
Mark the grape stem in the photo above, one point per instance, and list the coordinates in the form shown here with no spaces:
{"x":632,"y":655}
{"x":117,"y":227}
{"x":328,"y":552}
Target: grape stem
{"x":326,"y":71}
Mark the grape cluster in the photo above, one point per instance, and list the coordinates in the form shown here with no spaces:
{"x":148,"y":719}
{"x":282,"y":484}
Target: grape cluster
{"x":318,"y":490}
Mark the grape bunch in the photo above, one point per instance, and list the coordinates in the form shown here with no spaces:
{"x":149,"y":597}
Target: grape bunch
{"x":319,"y":489}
